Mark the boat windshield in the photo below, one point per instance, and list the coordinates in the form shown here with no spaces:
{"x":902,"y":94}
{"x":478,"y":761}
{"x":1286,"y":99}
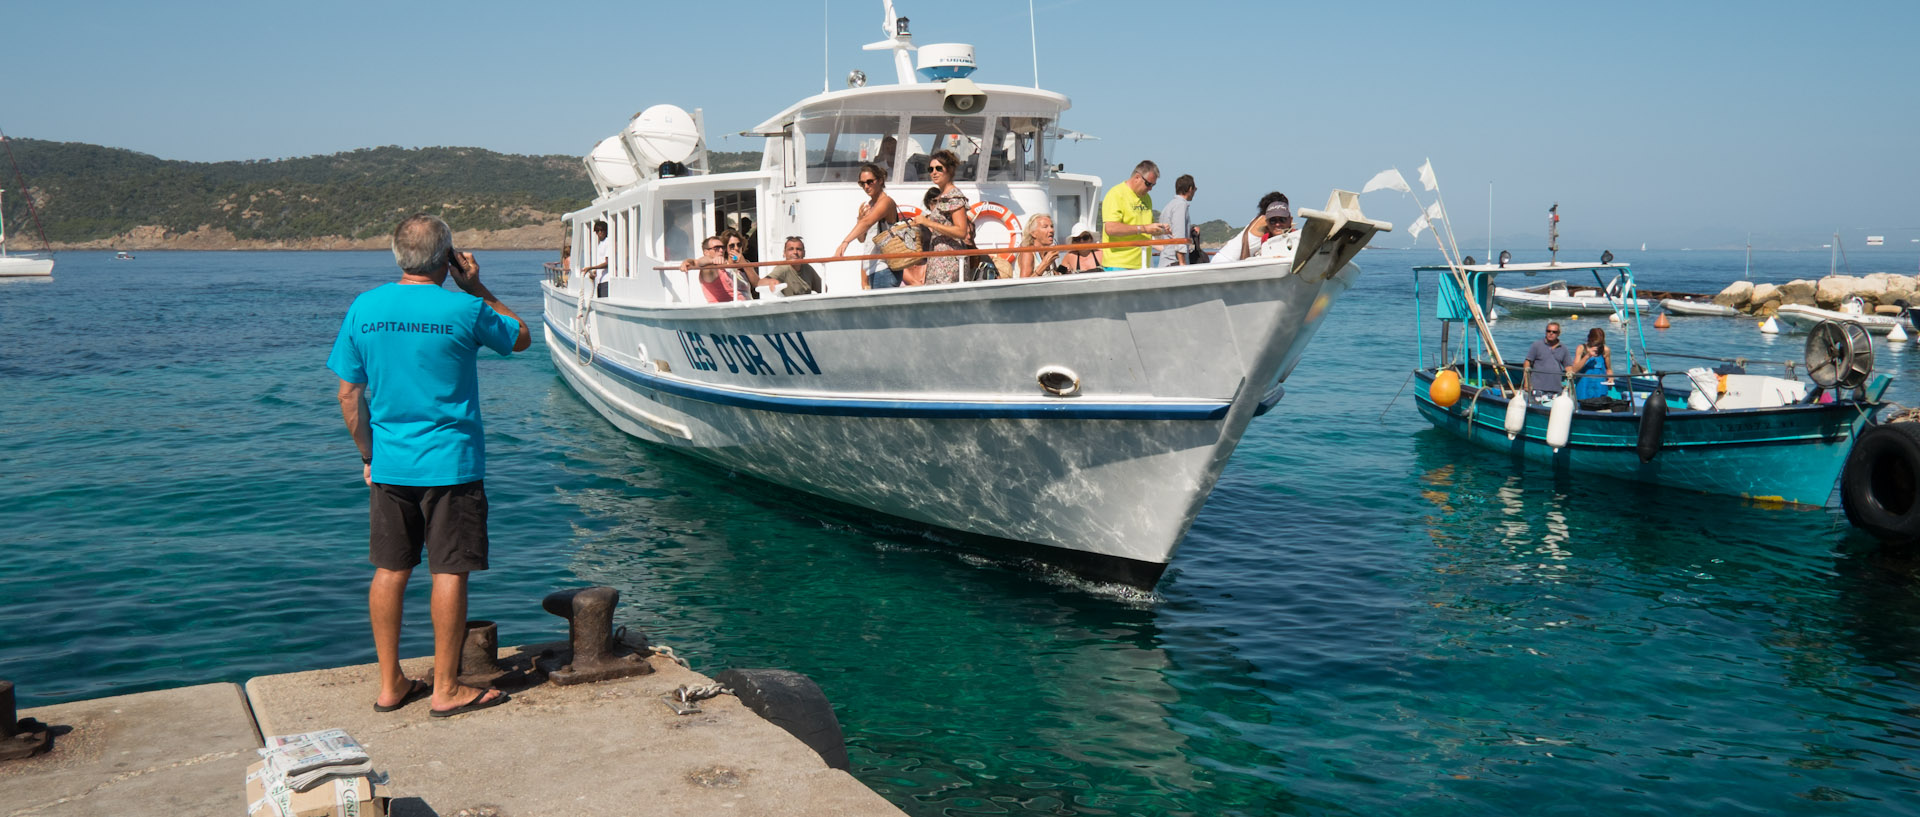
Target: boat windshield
{"x":1016,"y":149}
{"x":964,"y":135}
{"x":838,"y":143}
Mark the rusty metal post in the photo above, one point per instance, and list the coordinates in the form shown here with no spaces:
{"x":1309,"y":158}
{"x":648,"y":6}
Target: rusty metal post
{"x":480,"y":655}
{"x":20,"y":738}
{"x":594,"y":653}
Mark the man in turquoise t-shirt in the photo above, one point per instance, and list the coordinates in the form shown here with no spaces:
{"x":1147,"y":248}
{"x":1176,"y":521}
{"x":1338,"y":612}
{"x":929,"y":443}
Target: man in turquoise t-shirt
{"x":1127,"y":214}
{"x":410,"y":393}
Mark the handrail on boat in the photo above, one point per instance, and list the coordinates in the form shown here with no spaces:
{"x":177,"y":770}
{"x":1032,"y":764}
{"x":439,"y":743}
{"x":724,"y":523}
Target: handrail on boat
{"x":1156,"y":242}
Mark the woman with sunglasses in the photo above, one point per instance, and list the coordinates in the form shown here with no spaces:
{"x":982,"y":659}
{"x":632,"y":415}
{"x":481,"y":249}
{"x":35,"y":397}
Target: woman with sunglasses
{"x":741,"y":278}
{"x":877,"y":213}
{"x":946,"y":219}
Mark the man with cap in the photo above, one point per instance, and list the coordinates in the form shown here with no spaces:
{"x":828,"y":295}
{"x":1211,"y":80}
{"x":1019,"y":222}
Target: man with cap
{"x":1127,"y":215}
{"x":1281,"y":240}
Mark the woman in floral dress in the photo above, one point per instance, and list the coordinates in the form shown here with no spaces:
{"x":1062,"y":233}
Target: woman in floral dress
{"x":946,"y":219}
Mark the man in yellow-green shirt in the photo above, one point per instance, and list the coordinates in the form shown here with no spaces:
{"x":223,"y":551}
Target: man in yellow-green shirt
{"x":1127,"y":215}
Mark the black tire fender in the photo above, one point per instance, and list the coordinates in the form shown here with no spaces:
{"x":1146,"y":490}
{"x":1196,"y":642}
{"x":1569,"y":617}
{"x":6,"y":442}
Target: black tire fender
{"x":792,"y":702}
{"x":1653,"y":421}
{"x":1880,"y":484}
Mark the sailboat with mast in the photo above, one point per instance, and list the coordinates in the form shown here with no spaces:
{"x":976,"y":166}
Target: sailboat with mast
{"x":19,"y":266}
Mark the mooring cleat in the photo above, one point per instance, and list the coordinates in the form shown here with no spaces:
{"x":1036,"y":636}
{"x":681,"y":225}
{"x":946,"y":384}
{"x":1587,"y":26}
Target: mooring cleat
{"x":21,"y":738}
{"x":596,"y":652}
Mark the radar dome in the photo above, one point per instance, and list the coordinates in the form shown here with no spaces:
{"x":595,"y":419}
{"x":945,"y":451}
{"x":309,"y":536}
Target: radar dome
{"x":662,"y":133}
{"x":945,"y":61}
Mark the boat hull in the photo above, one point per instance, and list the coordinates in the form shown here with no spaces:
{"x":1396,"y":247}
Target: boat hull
{"x":18,"y":266}
{"x":1520,"y":303}
{"x":924,"y":403}
{"x":1801,"y":318}
{"x":1790,"y":454}
{"x":1701,"y":308}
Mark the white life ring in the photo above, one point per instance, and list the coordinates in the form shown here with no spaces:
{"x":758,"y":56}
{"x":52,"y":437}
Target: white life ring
{"x":996,"y":213}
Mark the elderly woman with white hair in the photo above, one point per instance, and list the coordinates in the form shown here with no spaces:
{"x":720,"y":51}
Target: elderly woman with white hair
{"x":1039,"y":233}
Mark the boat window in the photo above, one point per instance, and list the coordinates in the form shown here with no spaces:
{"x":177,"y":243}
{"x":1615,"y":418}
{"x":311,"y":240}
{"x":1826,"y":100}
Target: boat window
{"x":964,"y":135}
{"x":1066,"y":213}
{"x":837,"y":145}
{"x":739,"y":210}
{"x":681,"y":233}
{"x":1015,"y":154}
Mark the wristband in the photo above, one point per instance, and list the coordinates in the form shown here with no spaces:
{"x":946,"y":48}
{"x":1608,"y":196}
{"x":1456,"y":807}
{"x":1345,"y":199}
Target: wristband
{"x":366,"y":460}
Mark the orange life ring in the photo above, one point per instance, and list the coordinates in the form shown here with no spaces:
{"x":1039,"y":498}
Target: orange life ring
{"x":998,"y":213}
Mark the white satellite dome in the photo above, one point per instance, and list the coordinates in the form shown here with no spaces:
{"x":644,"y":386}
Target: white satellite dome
{"x":610,"y":166}
{"x":660,"y":134}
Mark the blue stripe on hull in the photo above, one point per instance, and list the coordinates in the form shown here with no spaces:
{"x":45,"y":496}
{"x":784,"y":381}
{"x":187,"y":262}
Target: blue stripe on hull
{"x":1791,"y":455}
{"x":1067,"y":408}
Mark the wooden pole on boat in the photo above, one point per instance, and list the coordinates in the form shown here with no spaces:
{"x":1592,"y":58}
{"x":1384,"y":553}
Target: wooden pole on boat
{"x":1467,"y":293}
{"x":941,"y":253}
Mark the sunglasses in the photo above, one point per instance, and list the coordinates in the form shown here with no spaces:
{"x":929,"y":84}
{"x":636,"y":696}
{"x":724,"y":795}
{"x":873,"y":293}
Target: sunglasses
{"x":713,"y":246}
{"x":1150,"y":182}
{"x":937,"y":168}
{"x":731,"y":244}
{"x":869,"y":182}
{"x":1553,"y":331}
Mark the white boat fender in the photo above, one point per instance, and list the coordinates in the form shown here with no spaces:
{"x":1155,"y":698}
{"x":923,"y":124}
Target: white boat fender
{"x":1615,"y":317}
{"x":1559,"y":420}
{"x":1516,"y":414}
{"x":1881,"y":506}
{"x":1770,"y":326}
{"x":1653,"y":421}
{"x":1898,"y":335}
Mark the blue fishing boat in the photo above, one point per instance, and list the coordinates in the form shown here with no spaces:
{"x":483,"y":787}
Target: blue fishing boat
{"x":1721,"y":430}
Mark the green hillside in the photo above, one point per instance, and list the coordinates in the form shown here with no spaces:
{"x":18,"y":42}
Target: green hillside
{"x":87,"y":192}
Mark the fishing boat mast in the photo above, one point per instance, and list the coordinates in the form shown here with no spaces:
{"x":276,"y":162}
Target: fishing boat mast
{"x":1553,"y":233}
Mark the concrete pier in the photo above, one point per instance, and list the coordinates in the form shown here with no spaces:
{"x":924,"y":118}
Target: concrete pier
{"x":609,"y":748}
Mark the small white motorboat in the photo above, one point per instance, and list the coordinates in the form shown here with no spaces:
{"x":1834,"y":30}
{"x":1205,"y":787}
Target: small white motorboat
{"x":1557,"y":299}
{"x":1800,"y":317}
{"x":1688,"y":306}
{"x":21,"y":266}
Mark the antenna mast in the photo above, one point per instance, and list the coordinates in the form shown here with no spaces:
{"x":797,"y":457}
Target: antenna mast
{"x":1553,"y":233}
{"x":1033,"y":38}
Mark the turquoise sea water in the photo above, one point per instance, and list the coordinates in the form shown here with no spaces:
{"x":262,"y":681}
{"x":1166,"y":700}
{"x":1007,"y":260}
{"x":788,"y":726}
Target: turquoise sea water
{"x":1369,"y":616}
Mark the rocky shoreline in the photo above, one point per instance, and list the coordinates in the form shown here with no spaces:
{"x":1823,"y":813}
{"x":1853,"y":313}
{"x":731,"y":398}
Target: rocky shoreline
{"x":545,"y":236}
{"x":1880,"y":291}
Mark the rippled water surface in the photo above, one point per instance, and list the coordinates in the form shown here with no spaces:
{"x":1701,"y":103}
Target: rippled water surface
{"x":1369,"y":617}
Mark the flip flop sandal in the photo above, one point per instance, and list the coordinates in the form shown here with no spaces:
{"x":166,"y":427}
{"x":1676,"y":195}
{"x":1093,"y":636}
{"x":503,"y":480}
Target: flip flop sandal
{"x":419,"y":689}
{"x":478,"y":703}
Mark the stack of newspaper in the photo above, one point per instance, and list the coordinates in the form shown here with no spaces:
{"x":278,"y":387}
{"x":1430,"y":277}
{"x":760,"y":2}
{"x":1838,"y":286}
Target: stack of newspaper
{"x":305,"y":760}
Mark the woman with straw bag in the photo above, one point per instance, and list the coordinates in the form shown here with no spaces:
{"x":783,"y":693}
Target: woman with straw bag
{"x":877,"y":213}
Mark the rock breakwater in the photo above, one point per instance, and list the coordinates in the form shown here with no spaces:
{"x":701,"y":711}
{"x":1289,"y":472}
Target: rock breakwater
{"x":1877,"y":291}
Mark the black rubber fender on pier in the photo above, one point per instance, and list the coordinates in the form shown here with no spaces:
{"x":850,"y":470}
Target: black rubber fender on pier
{"x":1653,"y":421}
{"x":1880,"y":484}
{"x":792,"y":702}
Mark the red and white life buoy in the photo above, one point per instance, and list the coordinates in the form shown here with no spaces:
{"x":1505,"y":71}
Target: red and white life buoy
{"x":997,"y":218}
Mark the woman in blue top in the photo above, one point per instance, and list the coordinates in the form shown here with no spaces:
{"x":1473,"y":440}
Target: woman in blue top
{"x":1588,"y":362}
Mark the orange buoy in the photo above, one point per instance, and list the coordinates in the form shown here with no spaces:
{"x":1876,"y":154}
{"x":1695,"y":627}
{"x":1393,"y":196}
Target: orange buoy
{"x":1445,"y":390}
{"x":1661,"y":322}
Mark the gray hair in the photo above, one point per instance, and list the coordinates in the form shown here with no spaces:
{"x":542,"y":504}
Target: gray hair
{"x":422,"y":244}
{"x":1144,"y":167}
{"x":1033,"y":229}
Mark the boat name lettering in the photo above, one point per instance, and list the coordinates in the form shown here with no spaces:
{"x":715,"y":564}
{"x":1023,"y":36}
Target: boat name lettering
{"x":397,"y":326}
{"x":740,"y":353}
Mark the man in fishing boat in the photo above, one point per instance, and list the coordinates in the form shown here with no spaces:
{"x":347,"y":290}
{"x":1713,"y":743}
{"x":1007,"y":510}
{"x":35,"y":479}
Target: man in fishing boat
{"x":1127,"y":215}
{"x":406,"y":356}
{"x":1546,"y":364}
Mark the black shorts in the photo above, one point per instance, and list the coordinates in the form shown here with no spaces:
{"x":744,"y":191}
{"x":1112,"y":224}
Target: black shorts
{"x":450,"y":521}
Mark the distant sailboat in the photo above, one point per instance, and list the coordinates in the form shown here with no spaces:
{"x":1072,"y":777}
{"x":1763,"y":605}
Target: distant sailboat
{"x":1643,"y":246}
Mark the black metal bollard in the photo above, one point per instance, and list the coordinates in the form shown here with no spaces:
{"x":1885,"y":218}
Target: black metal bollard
{"x":23,"y":737}
{"x":594,"y":653}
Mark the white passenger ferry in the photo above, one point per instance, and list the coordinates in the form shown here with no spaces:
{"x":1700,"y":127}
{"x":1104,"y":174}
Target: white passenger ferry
{"x":1080,"y":419}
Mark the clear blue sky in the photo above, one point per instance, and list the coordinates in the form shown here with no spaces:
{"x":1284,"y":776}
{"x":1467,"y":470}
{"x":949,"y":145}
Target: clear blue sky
{"x":1678,"y":124}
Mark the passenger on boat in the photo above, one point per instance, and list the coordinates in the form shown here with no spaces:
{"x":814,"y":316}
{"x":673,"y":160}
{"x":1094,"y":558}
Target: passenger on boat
{"x":1039,"y":233}
{"x":876,"y":214}
{"x":800,"y":279}
{"x":1281,"y":240}
{"x":884,"y":156}
{"x":743,"y":279}
{"x":1546,"y":364}
{"x":947,"y":219}
{"x":603,"y":260}
{"x":1127,"y":214}
{"x":713,"y":266}
{"x":405,"y":356}
{"x":1587,"y":366}
{"x":1246,"y":243}
{"x":1087,"y":260}
{"x":1175,"y":215}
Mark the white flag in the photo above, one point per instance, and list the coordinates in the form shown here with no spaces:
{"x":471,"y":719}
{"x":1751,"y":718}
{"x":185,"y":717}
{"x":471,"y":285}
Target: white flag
{"x":1426,"y":176}
{"x":1418,"y":226}
{"x":1434,"y":214}
{"x":1389,"y":179}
